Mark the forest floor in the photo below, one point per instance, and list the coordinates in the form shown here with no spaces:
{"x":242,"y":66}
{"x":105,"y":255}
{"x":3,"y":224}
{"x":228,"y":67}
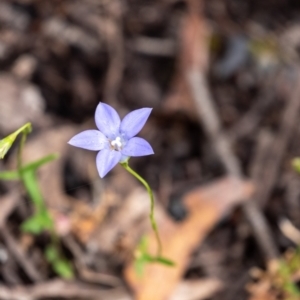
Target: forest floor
{"x":223,"y":79}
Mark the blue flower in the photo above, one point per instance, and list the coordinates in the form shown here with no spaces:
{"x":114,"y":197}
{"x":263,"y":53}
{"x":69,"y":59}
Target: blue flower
{"x":115,"y":139}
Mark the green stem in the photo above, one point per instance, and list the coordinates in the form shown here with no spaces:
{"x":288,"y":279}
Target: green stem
{"x":25,"y":129}
{"x":151,"y":215}
{"x":20,"y":150}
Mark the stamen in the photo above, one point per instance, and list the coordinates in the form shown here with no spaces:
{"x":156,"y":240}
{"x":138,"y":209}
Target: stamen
{"x":117,"y":143}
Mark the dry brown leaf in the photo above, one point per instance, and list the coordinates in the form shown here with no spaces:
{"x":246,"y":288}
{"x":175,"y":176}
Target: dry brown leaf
{"x":206,"y":206}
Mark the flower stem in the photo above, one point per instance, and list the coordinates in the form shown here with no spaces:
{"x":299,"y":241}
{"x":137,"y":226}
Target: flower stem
{"x":151,"y":215}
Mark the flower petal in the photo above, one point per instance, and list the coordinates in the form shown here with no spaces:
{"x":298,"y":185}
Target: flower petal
{"x":137,"y":147}
{"x":134,"y":122}
{"x":90,"y":140}
{"x":106,"y":160}
{"x":107,"y":120}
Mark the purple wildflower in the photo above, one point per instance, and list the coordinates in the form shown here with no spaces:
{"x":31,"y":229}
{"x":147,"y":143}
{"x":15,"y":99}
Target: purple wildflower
{"x":114,"y":140}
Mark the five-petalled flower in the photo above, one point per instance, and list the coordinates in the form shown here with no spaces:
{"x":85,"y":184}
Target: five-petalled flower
{"x":115,"y":140}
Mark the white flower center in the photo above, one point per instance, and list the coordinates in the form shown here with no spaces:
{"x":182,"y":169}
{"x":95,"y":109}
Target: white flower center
{"x":117,"y":144}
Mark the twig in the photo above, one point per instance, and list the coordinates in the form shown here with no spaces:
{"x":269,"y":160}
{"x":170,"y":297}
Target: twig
{"x":257,"y":165}
{"x":10,"y":271}
{"x":69,"y":34}
{"x":8,"y":204}
{"x":115,"y":45}
{"x":209,"y":118}
{"x":20,"y":256}
{"x":277,"y":150}
{"x":250,"y":121}
{"x":85,"y":273}
{"x":61,"y":289}
{"x":292,"y":196}
{"x":154,"y":46}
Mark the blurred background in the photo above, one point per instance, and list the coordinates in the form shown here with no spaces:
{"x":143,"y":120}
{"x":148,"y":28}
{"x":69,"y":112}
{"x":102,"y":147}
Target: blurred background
{"x":223,"y":79}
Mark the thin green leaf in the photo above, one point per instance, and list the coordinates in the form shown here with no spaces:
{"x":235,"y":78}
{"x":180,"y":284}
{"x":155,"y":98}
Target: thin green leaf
{"x":60,"y":265}
{"x":32,"y":225}
{"x":38,"y":163}
{"x":6,"y":143}
{"x":9,"y":175}
{"x":63,"y":268}
{"x":148,"y":258}
{"x":31,"y":185}
{"x":14,"y":175}
{"x":165,"y":261}
{"x":51,"y":253}
{"x":38,"y":223}
{"x":139,"y":266}
{"x":143,"y":244}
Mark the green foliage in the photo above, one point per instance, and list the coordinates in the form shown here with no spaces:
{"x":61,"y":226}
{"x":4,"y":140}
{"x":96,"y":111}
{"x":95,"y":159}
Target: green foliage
{"x":41,"y":220}
{"x":165,"y":261}
{"x":60,"y":265}
{"x":142,"y":257}
{"x":15,"y":175}
{"x":38,"y":223}
{"x":289,"y":266}
{"x":9,"y":175}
